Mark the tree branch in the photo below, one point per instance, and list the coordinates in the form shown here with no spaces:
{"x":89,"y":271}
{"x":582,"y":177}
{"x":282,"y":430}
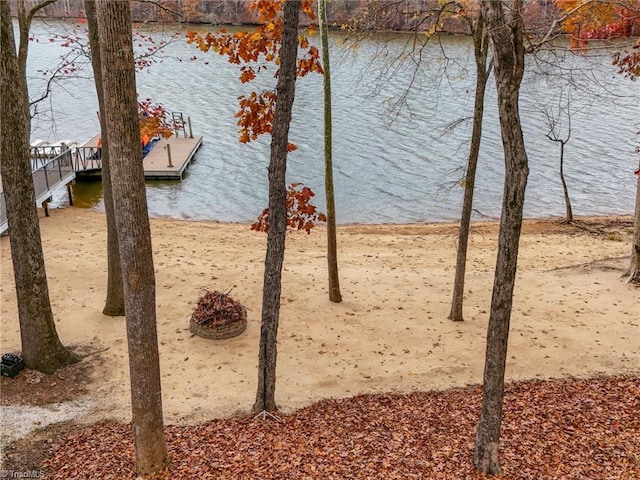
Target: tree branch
{"x":159,"y":5}
{"x":36,"y":8}
{"x":554,"y":25}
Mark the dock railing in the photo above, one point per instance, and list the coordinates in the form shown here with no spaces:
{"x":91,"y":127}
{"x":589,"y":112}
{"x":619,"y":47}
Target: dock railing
{"x":47,"y":174}
{"x":40,"y":155}
{"x":58,"y":170}
{"x":87,"y":158}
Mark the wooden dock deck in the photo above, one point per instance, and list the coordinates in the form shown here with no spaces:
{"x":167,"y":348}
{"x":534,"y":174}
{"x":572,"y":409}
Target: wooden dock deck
{"x":170,"y":157}
{"x":157,"y":164}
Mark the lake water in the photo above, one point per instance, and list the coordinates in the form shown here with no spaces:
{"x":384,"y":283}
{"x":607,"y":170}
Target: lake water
{"x":392,"y":165}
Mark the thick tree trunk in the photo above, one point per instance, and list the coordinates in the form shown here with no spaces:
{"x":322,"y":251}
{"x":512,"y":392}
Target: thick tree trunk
{"x":265,"y":396}
{"x":41,"y":347}
{"x":481,"y":50}
{"x":508,"y":48}
{"x":134,"y":233}
{"x":565,"y":190}
{"x":114,"y":304}
{"x":332,"y":246}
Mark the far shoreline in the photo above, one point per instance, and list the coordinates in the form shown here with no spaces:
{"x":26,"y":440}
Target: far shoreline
{"x":551,"y":219}
{"x":527,"y":221}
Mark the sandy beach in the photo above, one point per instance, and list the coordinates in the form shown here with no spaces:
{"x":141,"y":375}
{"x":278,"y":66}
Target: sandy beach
{"x":573,"y":315}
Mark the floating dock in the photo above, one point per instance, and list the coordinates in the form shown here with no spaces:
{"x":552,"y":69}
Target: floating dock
{"x":168,"y":159}
{"x":63,"y":162}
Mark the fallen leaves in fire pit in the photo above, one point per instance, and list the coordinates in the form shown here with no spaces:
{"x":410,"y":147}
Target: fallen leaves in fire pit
{"x":216,"y":309}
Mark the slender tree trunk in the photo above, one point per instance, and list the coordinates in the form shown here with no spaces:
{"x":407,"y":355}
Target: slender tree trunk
{"x":134,"y":233}
{"x":565,"y":190}
{"x":481,"y":48}
{"x":332,"y":247}
{"x":553,"y":136}
{"x":508,"y":47}
{"x":41,"y":347}
{"x":633,"y":272}
{"x":114,"y":304}
{"x":265,"y":396}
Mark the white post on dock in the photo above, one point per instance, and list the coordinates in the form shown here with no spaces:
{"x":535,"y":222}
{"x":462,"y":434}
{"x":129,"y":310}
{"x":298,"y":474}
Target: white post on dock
{"x":190,"y":131}
{"x":168,"y":149}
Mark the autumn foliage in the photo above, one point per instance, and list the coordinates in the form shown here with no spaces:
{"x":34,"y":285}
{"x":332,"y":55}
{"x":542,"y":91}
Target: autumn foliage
{"x":301,"y":213}
{"x":605,"y":20}
{"x":255,"y":51}
{"x":153,"y":120}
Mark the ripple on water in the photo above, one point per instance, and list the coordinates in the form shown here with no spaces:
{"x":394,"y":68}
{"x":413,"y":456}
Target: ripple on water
{"x":387,"y":168}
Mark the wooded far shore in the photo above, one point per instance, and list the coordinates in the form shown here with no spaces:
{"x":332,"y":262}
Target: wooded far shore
{"x":383,"y":15}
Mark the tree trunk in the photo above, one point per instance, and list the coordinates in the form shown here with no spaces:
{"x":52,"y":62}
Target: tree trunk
{"x":134,"y":234}
{"x":114,"y":304}
{"x":41,"y":347}
{"x":633,"y":272}
{"x":481,"y":49}
{"x":265,"y":396}
{"x":565,"y":190}
{"x":332,"y":247}
{"x":508,"y":48}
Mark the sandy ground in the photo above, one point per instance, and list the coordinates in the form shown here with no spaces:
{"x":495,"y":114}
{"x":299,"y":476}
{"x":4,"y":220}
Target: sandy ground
{"x":572,"y":314}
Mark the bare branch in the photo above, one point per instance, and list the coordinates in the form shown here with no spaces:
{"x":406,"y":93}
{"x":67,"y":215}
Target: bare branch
{"x":533,"y":47}
{"x":159,"y":5}
{"x":36,"y":8}
{"x":56,"y":75}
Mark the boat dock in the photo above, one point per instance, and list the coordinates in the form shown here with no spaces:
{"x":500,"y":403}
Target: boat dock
{"x":168,"y":159}
{"x":62,"y":163}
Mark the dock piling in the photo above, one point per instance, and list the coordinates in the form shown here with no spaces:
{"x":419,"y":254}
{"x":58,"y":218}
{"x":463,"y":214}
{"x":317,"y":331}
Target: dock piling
{"x":168,"y":149}
{"x":70,"y":194}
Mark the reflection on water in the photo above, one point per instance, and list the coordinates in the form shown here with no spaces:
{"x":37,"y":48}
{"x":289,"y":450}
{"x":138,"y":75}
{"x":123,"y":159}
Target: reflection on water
{"x":388,"y":168}
{"x":86,"y":194}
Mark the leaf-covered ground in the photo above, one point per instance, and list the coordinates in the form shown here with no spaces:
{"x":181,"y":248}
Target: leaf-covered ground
{"x":568,"y":429}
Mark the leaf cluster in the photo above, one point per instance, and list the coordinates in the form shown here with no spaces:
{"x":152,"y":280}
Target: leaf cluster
{"x":154,"y":120}
{"x":254,"y":51}
{"x":301,"y":213}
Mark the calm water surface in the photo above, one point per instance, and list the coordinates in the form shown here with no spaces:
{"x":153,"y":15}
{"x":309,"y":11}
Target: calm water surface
{"x":395,"y":165}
